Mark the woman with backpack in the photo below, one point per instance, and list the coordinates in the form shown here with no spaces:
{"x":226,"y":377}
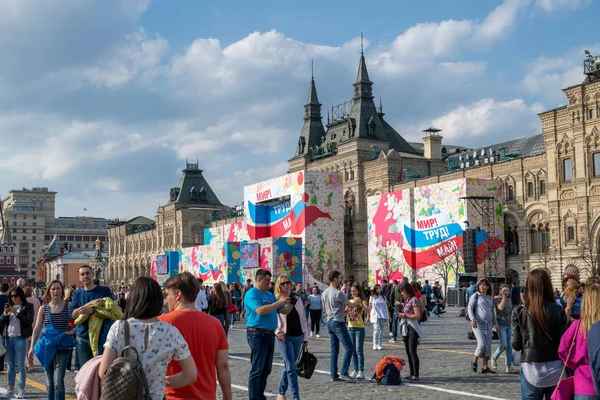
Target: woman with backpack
{"x":156,"y":343}
{"x":410,"y":328}
{"x":379,"y":315}
{"x":577,"y":358}
{"x":16,"y":326}
{"x":55,"y":312}
{"x":356,"y":329}
{"x":483,"y":319}
{"x":537,"y":327}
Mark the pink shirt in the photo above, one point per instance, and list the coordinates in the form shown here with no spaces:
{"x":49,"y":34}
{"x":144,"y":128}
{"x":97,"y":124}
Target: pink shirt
{"x":578,"y":361}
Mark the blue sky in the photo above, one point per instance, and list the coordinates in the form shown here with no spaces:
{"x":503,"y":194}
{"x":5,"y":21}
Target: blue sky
{"x":103,"y":101}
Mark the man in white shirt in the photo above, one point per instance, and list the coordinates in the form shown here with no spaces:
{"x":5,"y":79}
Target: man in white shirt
{"x":201,"y":302}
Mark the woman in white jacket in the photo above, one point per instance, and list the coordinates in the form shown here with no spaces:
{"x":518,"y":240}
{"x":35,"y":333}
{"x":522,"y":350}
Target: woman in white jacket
{"x":379,"y":315}
{"x":292,"y":334}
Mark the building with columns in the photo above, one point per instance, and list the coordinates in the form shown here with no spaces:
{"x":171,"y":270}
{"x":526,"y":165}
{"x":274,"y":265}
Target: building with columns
{"x":551,"y":181}
{"x":133,"y":244}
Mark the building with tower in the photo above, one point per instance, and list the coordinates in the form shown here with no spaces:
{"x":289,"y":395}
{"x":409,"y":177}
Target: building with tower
{"x":550,"y":181}
{"x":133,"y":244}
{"x":9,"y":271}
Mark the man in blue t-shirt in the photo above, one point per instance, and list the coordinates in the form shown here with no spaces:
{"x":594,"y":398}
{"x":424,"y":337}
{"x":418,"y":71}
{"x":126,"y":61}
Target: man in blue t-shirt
{"x":83,"y":300}
{"x":261,"y":310}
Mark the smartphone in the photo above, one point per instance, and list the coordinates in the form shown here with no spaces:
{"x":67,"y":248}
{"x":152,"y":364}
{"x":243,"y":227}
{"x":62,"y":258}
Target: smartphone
{"x":293,"y":298}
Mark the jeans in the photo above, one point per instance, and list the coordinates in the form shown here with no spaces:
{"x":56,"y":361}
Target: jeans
{"x":307,"y":312}
{"x":262,"y":346}
{"x":55,"y":375}
{"x":530,"y":392}
{"x":339,"y":333}
{"x":411,"y":341}
{"x":357,"y":336}
{"x":395,"y":322}
{"x":378,"y":331}
{"x":504,"y":334}
{"x":84,"y":350}
{"x":15,"y":358}
{"x":585,"y":397}
{"x":289,"y":352}
{"x":315,"y":318}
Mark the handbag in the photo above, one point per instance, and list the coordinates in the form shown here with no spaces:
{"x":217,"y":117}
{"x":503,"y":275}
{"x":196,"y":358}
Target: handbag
{"x":565,"y":388}
{"x":306,"y":363}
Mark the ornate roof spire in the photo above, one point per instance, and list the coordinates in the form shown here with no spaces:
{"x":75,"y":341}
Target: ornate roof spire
{"x":362,"y":75}
{"x":312,"y":91}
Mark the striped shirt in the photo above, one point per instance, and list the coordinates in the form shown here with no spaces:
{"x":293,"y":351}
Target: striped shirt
{"x":59,"y":320}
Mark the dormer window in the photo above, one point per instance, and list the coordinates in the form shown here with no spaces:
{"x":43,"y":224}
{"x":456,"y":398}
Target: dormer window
{"x":193,"y":193}
{"x":202,"y":194}
{"x":371,"y":127}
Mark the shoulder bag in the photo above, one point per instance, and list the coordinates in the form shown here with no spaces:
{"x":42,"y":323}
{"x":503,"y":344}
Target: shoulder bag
{"x":565,"y":388}
{"x":306,"y":364}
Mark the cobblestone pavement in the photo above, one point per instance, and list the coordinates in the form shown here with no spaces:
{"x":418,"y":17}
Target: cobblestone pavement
{"x":445,"y":354}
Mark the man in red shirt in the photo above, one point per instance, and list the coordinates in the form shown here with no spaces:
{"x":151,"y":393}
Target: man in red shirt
{"x":205,"y":337}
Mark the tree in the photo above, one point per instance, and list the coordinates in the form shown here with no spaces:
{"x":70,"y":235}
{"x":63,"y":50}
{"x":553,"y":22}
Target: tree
{"x":390,"y":258}
{"x":588,"y":253}
{"x":449,"y":263}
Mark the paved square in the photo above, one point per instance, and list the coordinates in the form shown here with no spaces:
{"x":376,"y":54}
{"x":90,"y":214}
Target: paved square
{"x":445,"y":354}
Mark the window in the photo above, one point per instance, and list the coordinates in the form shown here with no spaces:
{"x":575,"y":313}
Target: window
{"x":591,"y":113}
{"x":33,"y":252}
{"x":24,"y":217}
{"x":34,"y":217}
{"x":24,"y":237}
{"x":540,"y":239}
{"x":511,"y":193}
{"x":596,"y":164}
{"x":33,"y":238}
{"x":542,"y":188}
{"x":570,"y":233}
{"x":529,"y":189}
{"x":33,"y":230}
{"x":78,"y":245}
{"x":87,"y":245}
{"x":33,"y":245}
{"x":35,"y":224}
{"x":14,"y":238}
{"x":567,"y":170}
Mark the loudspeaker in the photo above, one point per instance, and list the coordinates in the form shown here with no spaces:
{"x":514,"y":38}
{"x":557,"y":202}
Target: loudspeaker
{"x":469,"y":251}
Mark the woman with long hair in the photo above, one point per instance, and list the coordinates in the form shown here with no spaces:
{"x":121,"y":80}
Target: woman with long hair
{"x":537,"y":327}
{"x":577,"y":336}
{"x":504,"y":308}
{"x":217,"y":304}
{"x":16,"y":325}
{"x":156,"y":342}
{"x":356,"y":329}
{"x":483,"y":319}
{"x":378,"y":316}
{"x":292,"y":335}
{"x":55,"y":312}
{"x":410,"y":328}
{"x":316,"y":311}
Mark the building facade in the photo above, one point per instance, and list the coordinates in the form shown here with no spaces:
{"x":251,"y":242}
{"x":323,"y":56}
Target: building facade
{"x":551,"y":181}
{"x":30,"y":213}
{"x":133,"y":244}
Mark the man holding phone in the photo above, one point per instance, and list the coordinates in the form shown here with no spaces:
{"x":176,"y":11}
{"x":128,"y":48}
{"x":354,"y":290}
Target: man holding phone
{"x":261,"y":310}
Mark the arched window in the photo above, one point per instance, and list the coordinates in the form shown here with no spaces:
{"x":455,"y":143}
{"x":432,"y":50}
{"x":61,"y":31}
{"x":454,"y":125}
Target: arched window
{"x":511,"y":193}
{"x":540,"y":238}
{"x":349,"y":211}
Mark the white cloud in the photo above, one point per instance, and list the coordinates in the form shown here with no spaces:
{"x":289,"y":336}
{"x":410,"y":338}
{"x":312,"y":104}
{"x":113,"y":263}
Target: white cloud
{"x":110,"y":184}
{"x":547,"y":76}
{"x":556,"y":5}
{"x":488,"y":119}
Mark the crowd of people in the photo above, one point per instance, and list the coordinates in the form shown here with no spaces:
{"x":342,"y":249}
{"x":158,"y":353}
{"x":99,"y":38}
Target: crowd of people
{"x":180,"y":331}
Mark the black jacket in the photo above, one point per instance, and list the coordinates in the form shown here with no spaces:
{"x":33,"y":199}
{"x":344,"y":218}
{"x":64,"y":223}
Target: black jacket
{"x":539,"y":346}
{"x":26,"y":319}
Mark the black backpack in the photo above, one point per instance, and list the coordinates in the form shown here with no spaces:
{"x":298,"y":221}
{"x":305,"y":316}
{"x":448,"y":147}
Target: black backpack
{"x":125,"y":378}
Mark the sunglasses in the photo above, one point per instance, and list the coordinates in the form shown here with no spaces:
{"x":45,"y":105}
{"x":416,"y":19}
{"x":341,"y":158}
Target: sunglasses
{"x":285,"y":283}
{"x":14,"y":296}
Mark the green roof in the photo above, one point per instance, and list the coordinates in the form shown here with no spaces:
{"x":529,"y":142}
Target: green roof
{"x":193,"y":189}
{"x":140,"y":220}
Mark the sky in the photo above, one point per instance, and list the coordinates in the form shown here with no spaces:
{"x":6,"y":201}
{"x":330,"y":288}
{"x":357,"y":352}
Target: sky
{"x":103,"y":101}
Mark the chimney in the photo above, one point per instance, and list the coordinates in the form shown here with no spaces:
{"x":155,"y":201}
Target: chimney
{"x":432,"y":144}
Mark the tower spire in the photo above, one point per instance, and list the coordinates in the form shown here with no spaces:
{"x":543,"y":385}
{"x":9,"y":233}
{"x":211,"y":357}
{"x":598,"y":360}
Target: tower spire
{"x":361,"y":44}
{"x":312,"y":69}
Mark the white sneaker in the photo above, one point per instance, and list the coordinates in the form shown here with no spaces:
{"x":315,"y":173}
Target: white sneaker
{"x":311,"y":334}
{"x":392,"y":340}
{"x":20,"y":394}
{"x":10,"y":394}
{"x":494,"y":363}
{"x":353,"y":374}
{"x":379,"y":348}
{"x":375,"y":348}
{"x":318,"y":335}
{"x":360,"y":375}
